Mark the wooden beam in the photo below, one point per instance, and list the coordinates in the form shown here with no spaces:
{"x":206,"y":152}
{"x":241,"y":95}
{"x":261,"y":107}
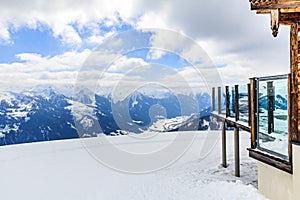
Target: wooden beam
{"x":290,"y":147}
{"x":294,"y":83}
{"x":253,"y":112}
{"x":290,"y":10}
{"x":275,"y":21}
{"x":288,"y":18}
{"x":274,"y":4}
{"x":266,"y":11}
{"x":227,"y":101}
{"x":237,"y":151}
{"x":236,"y":103}
{"x":249,"y":104}
{"x":224,"y":156}
{"x":271,"y":160}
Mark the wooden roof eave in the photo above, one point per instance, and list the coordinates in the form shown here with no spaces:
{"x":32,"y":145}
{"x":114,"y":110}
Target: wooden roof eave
{"x":274,"y":4}
{"x":282,"y":12}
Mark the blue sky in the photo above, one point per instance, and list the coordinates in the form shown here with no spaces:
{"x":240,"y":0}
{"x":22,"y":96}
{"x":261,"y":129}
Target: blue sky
{"x":28,"y":40}
{"x":43,"y":43}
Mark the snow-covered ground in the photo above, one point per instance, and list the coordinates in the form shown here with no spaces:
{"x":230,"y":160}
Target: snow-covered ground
{"x":66,"y":170}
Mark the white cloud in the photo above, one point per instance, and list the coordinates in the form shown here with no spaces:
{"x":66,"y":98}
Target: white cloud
{"x":240,"y":39}
{"x":68,"y":34}
{"x":31,"y":62}
{"x":60,"y":16}
{"x":4,"y":36}
{"x":124,"y":64}
{"x":34,"y":69}
{"x":233,"y":34}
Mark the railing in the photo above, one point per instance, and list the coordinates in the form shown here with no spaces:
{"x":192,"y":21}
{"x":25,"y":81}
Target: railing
{"x":261,"y":108}
{"x":232,"y":105}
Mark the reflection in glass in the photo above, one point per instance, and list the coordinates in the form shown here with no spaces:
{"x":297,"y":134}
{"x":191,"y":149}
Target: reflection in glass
{"x":243,"y":103}
{"x":216,"y":100}
{"x":231,"y":102}
{"x":223,"y":100}
{"x":273,"y":115}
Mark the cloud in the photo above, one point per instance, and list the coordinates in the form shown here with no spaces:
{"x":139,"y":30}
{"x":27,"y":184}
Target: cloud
{"x":34,"y":69}
{"x":231,"y":35}
{"x":66,"y":19}
{"x":68,"y":34}
{"x":124,"y":64}
{"x":4,"y":35}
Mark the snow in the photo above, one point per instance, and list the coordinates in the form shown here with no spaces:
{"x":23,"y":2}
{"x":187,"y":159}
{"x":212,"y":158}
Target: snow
{"x":163,"y":125}
{"x":280,"y":144}
{"x":66,"y":170}
{"x":82,"y":113}
{"x":134,"y":103}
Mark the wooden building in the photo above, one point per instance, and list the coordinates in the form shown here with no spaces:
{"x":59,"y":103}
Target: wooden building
{"x":278,"y":179}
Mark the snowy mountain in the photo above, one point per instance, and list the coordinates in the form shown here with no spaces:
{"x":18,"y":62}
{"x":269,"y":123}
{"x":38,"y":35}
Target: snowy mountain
{"x":45,"y":114}
{"x":280,"y":102}
{"x":36,"y":116}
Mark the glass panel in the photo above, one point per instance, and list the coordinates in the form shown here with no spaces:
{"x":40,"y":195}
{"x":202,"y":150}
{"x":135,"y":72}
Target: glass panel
{"x":216,"y":99}
{"x":231,"y":102}
{"x":243,"y":103}
{"x":273,"y":115}
{"x":223,"y":100}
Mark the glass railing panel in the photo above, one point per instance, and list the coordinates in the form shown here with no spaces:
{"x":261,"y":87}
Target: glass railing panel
{"x":223,"y":100}
{"x":231,"y":102}
{"x":216,"y":100}
{"x":243,"y":103}
{"x":273,"y":115}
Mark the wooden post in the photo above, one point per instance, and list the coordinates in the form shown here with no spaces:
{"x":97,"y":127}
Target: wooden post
{"x":213,"y":99}
{"x":233,"y":100}
{"x":271,"y":106}
{"x":249,"y":103}
{"x":237,"y":151}
{"x":219,"y":100}
{"x":236,"y":133}
{"x":294,"y":82}
{"x":253,"y":112}
{"x":236,"y":102}
{"x":224,"y":160}
{"x":227,"y":101}
{"x":290,"y":147}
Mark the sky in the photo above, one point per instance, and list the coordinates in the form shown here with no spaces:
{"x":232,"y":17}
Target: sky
{"x":108,"y":43}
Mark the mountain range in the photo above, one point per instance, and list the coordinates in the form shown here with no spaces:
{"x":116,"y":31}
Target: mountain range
{"x":47,"y":114}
